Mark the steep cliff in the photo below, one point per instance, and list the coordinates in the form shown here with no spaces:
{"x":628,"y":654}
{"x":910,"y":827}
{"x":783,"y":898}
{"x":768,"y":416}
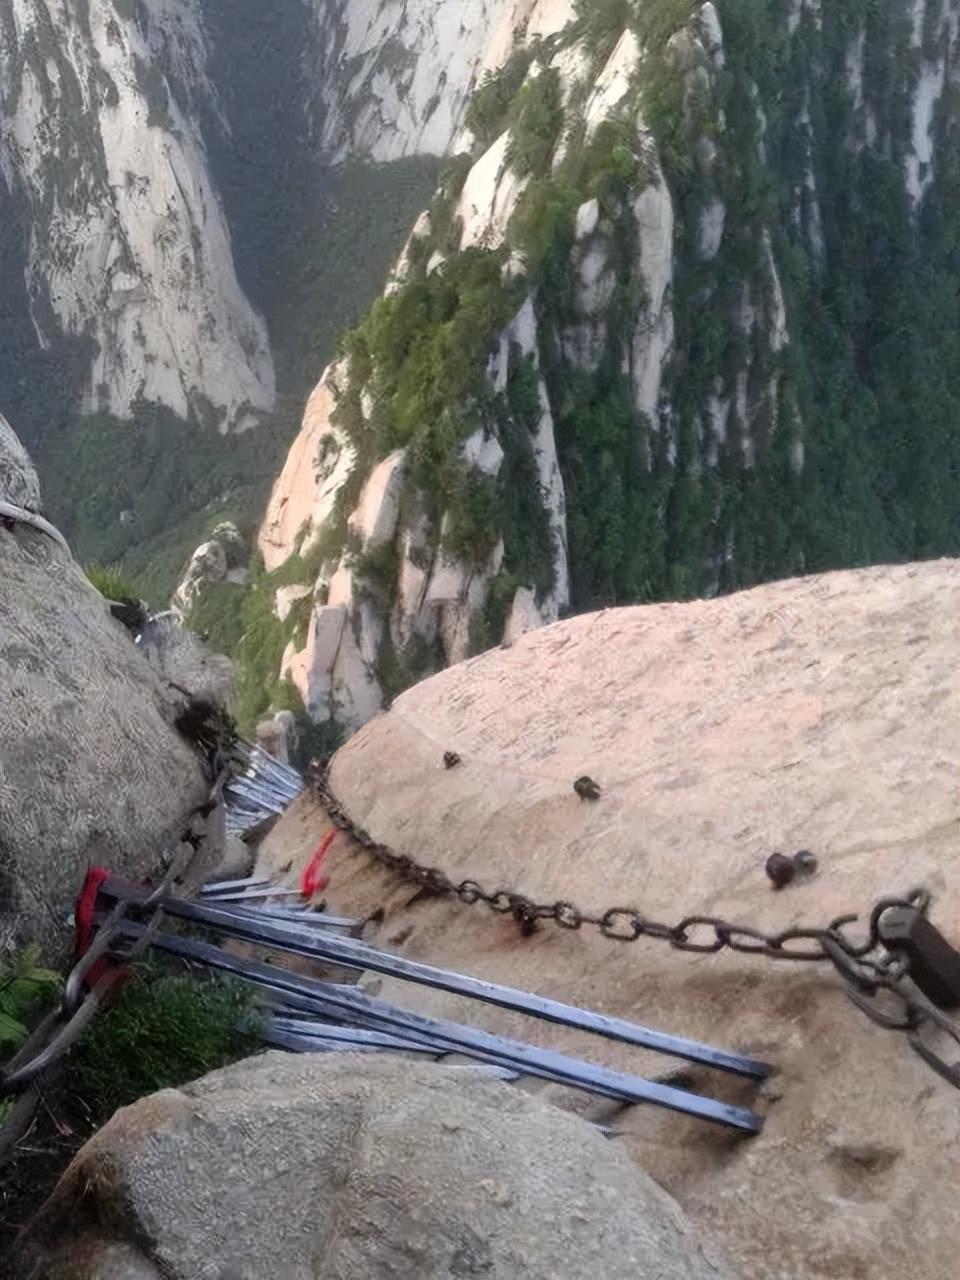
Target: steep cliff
{"x":178,"y":256}
{"x":682,"y":316}
{"x":128,"y":247}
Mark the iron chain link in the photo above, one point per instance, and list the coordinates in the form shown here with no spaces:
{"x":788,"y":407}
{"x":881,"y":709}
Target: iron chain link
{"x":875,"y":980}
{"x":694,"y":933}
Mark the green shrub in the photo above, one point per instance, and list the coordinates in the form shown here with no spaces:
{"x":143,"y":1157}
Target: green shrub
{"x":542,"y":226}
{"x":164,"y":1031}
{"x":487,"y":626}
{"x":487,"y":114}
{"x":375,"y":572}
{"x":536,"y":118}
{"x":600,"y":24}
{"x":258,"y":653}
{"x":522,"y":390}
{"x":218,"y":614}
{"x":398,"y":670}
{"x":111,"y":582}
{"x":296,"y":625}
{"x":25,"y":987}
{"x":444,"y":234}
{"x":472,"y":527}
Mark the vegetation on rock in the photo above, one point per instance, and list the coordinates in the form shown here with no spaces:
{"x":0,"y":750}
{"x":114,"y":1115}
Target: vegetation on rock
{"x":164,"y":1031}
{"x":25,"y":987}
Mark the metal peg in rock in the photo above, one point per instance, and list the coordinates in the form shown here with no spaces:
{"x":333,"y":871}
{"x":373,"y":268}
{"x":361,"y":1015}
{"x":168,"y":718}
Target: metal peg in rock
{"x":586,"y":788}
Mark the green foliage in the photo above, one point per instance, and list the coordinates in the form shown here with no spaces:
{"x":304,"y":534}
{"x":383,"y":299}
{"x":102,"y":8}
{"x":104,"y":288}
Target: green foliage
{"x":486,"y":627}
{"x":522,"y":394}
{"x":375,"y":572}
{"x":400,"y":670}
{"x":599,"y":24}
{"x":542,"y":228}
{"x":25,"y":987}
{"x":425,"y":350}
{"x":177,"y":483}
{"x":523,"y":519}
{"x":609,"y":166}
{"x":111,"y":582}
{"x":472,"y":527}
{"x":164,"y":1031}
{"x":655,"y":22}
{"x":429,"y":341}
{"x":444,"y":231}
{"x":219,"y":615}
{"x":313,"y":741}
{"x":487,"y":114}
{"x":536,"y":118}
{"x":258,"y":653}
{"x":296,"y":625}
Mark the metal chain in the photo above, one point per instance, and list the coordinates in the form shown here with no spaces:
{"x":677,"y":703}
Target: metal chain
{"x":697,"y":933}
{"x":870,"y":973}
{"x":64,"y":1025}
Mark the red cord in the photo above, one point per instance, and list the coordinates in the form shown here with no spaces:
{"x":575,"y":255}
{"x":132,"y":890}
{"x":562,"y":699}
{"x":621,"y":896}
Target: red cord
{"x":314,"y":878}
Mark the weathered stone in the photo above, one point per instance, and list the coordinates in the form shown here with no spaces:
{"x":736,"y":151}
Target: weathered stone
{"x":317,"y":466}
{"x":820,"y":714}
{"x":207,"y":567}
{"x":524,"y":615}
{"x":588,"y":216}
{"x":91,"y":770}
{"x":272,"y":737}
{"x":484,"y":451}
{"x":375,"y":519}
{"x":183,"y":659}
{"x":220,"y":559}
{"x":233,"y":543}
{"x":18,"y":479}
{"x":287,"y":597}
{"x":365,"y":1169}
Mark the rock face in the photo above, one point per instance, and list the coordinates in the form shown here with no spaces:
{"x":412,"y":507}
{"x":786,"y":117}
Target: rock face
{"x":221,"y":559}
{"x":100,"y":137}
{"x":91,"y":771}
{"x":181,"y":658}
{"x":18,"y":479}
{"x":822,"y":714}
{"x":666,"y":377}
{"x":356,"y":1168}
{"x":399,"y":76}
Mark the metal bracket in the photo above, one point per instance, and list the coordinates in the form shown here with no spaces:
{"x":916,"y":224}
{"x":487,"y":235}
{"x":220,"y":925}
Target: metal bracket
{"x":934,"y":963}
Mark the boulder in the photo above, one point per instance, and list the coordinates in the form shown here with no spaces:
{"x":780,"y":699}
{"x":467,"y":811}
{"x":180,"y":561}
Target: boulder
{"x":360,"y":1168}
{"x":483,"y":452}
{"x":286,"y":597}
{"x":184,"y":661}
{"x":91,"y":769}
{"x":233,"y":543}
{"x":524,"y":616}
{"x":821,"y":714}
{"x":220,"y":559}
{"x":374,"y":521}
{"x":207,"y":567}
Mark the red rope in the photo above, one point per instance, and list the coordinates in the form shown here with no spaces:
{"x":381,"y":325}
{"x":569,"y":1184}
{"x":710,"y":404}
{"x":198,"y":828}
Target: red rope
{"x":314,"y":878}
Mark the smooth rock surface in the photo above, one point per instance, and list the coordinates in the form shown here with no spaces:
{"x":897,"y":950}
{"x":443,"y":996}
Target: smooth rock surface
{"x":181,"y":658}
{"x":361,"y":1169}
{"x":821,"y":713}
{"x":18,"y":479}
{"x":317,"y":465}
{"x":91,"y":770}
